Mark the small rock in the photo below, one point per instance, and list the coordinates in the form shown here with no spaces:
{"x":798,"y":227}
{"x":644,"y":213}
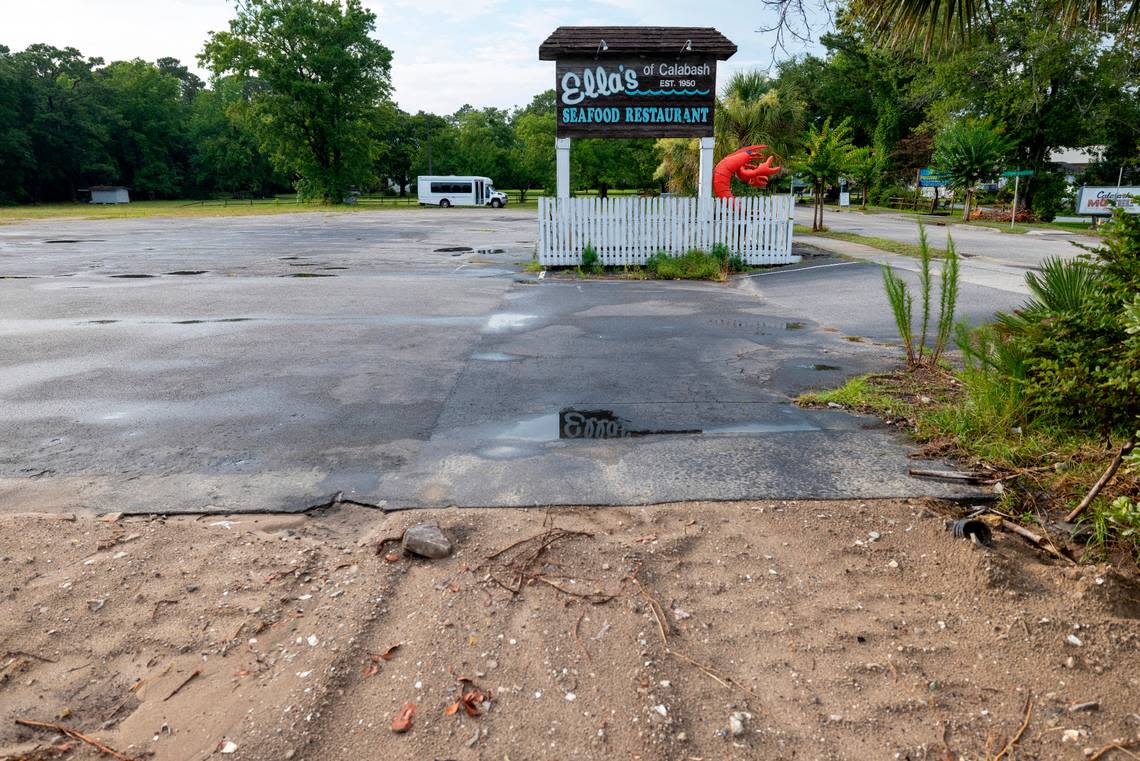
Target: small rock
{"x":1091,"y":705}
{"x":682,"y":737}
{"x":1074,"y":640}
{"x":835,"y":406}
{"x":835,"y":717}
{"x":1070,"y":662}
{"x":661,"y":710}
{"x":680,"y":614}
{"x":426,"y":540}
{"x":1072,"y":735}
{"x":893,"y":564}
{"x":736,"y":723}
{"x":94,"y":605}
{"x":874,"y":536}
{"x":229,"y":747}
{"x":312,"y":640}
{"x":571,"y":697}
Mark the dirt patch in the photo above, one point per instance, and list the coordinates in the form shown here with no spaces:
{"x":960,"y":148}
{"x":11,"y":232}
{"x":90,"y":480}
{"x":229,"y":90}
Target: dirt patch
{"x":771,"y":630}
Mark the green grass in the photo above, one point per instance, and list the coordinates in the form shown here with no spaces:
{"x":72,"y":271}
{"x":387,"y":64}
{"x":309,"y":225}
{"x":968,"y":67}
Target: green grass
{"x":972,"y":416}
{"x":694,"y":265}
{"x":184,"y":208}
{"x":883,"y":244}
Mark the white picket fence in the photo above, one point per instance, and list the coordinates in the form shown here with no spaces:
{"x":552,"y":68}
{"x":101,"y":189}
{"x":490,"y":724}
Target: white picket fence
{"x":629,"y":230}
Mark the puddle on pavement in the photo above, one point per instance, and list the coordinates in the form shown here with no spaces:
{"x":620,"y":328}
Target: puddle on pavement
{"x":820,"y":368}
{"x":101,"y":322}
{"x":75,"y":240}
{"x":220,"y":319}
{"x":308,"y":274}
{"x":334,"y":268}
{"x":187,"y":272}
{"x":507,"y":321}
{"x":454,"y":250}
{"x":595,"y":424}
{"x":292,"y":258}
{"x":304,"y":264}
{"x":495,"y":356}
{"x":132,"y":277}
{"x":489,"y":250}
{"x":17,"y":277}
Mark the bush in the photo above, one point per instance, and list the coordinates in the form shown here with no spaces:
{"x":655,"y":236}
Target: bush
{"x":695,"y":265}
{"x":1082,"y":366}
{"x":902,"y":303}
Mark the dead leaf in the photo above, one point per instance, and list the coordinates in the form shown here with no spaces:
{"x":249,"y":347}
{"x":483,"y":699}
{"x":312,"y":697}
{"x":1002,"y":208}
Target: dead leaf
{"x":403,"y":721}
{"x":391,"y":557}
{"x":389,"y":654}
{"x":647,"y":538}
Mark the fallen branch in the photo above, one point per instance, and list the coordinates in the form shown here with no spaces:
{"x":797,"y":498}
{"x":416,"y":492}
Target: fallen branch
{"x":1104,"y":479}
{"x":11,"y":653}
{"x":75,"y":735}
{"x":1040,"y":541}
{"x":594,"y":598}
{"x":197,"y":673}
{"x":1013,"y":740}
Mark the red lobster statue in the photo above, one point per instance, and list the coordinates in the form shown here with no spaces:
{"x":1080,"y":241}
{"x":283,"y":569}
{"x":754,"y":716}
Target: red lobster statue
{"x":745,"y":164}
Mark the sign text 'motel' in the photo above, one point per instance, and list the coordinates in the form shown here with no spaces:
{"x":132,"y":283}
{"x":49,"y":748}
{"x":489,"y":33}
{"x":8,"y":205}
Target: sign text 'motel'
{"x":635,"y":81}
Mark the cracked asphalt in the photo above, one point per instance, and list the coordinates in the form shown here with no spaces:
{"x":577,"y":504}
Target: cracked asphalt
{"x":273,"y":363}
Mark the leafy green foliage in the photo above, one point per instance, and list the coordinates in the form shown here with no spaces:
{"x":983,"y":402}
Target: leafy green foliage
{"x":694,"y":265}
{"x":968,"y":151}
{"x":827,"y":153}
{"x":320,"y":75}
{"x":1082,"y":365}
{"x":590,"y":260}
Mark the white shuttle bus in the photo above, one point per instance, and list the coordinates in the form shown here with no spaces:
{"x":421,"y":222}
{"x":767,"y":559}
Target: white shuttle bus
{"x":453,"y":190}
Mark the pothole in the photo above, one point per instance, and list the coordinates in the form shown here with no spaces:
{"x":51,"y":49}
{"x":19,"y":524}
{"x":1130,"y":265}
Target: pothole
{"x":454,"y":249}
{"x":132,"y":276}
{"x":188,"y":272}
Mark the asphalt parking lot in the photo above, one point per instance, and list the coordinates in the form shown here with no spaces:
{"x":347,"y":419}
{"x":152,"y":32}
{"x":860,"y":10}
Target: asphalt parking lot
{"x":402,"y":359}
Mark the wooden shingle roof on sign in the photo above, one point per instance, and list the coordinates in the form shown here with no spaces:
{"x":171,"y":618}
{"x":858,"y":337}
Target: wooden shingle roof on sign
{"x":585,"y":41}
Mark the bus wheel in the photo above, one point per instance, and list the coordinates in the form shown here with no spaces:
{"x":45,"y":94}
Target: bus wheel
{"x":445,"y":203}
{"x":496,"y":203}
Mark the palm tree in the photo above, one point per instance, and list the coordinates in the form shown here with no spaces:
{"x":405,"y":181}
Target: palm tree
{"x":938,"y":23}
{"x":827,"y":153}
{"x":864,"y":169}
{"x":752,"y":111}
{"x":967,"y":151}
{"x":680,"y":164}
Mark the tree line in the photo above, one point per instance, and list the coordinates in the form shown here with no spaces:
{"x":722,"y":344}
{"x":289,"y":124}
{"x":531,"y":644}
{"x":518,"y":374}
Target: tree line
{"x":299,"y":99}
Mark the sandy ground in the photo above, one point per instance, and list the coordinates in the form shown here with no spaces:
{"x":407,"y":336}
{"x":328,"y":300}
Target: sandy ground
{"x":639,"y":638}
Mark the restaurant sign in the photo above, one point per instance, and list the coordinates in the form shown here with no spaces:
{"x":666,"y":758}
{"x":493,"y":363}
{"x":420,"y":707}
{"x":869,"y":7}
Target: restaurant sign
{"x":635,"y":97}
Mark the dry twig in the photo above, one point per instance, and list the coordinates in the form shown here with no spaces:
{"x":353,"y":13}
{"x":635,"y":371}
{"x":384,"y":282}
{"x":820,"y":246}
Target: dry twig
{"x":1111,"y":747}
{"x":659,"y":615}
{"x":75,"y":735}
{"x":197,"y":673}
{"x":1013,"y":741}
{"x":1104,"y":479}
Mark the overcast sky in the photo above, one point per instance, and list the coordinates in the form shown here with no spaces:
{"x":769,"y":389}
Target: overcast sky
{"x":445,"y":52}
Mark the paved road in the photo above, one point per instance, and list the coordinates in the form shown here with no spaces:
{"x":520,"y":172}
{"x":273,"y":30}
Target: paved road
{"x":270,"y":363}
{"x":1017,"y":250}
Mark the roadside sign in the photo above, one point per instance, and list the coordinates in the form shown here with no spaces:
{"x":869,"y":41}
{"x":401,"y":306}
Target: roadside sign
{"x":844,"y":198}
{"x":1100,"y":201}
{"x":931,"y":178}
{"x":1018,"y":173}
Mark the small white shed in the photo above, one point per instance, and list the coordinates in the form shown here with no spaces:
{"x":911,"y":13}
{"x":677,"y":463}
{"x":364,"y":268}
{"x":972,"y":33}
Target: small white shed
{"x":109,"y":194}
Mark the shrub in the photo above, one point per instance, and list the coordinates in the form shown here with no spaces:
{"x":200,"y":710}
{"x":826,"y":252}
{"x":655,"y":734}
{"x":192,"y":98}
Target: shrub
{"x":1082,"y":366}
{"x":695,"y":265}
{"x":590,"y":260}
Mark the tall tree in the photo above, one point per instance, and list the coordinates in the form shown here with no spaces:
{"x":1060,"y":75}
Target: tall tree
{"x":322,"y":75}
{"x":753,"y":111}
